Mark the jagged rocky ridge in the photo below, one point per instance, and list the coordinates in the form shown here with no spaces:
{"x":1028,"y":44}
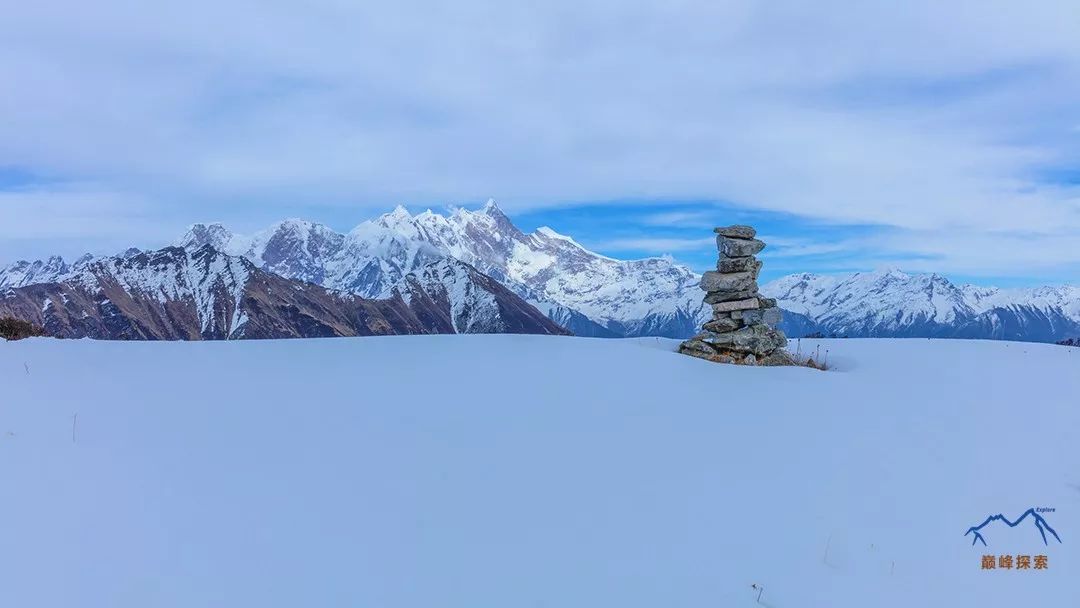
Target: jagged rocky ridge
{"x":202,"y":293}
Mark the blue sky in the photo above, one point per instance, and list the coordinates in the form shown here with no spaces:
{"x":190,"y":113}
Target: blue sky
{"x":684,"y":231}
{"x":924,"y":135}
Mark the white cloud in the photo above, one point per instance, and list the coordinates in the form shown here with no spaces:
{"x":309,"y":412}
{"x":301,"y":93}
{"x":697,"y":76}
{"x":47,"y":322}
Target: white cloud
{"x":923,"y":115}
{"x":781,"y":247}
{"x":680,"y":218}
{"x":70,"y":211}
{"x":654,"y":245}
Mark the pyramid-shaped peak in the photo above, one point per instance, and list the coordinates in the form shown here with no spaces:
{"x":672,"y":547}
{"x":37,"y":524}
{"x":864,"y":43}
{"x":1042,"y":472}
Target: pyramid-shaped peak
{"x":198,"y":235}
{"x":491,"y":209}
{"x":398,"y":216}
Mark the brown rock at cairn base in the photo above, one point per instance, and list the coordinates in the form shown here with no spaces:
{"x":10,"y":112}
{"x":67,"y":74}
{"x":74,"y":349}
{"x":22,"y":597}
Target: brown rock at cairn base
{"x":742,"y":329}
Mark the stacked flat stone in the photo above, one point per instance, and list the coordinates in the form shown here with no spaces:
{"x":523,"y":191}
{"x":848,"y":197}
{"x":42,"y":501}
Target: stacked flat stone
{"x":743,"y":325}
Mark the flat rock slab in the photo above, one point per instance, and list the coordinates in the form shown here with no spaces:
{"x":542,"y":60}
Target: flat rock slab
{"x":716,"y":297}
{"x":746,"y":304}
{"x":747,"y":264}
{"x":738,"y":231}
{"x":738,"y":248}
{"x":730,"y":281}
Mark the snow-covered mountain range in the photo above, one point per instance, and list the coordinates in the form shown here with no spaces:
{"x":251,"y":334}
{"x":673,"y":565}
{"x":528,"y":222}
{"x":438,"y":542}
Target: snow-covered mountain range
{"x":202,"y":293}
{"x":595,"y":295}
{"x":891,"y":303}
{"x":587,"y":293}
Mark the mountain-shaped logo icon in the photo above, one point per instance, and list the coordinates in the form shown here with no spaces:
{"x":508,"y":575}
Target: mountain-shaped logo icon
{"x":1040,"y":524}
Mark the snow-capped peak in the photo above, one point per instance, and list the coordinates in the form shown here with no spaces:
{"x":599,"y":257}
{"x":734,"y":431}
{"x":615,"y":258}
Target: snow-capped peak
{"x":214,"y":234}
{"x":492,"y":209}
{"x":23,"y":272}
{"x":395,"y":218}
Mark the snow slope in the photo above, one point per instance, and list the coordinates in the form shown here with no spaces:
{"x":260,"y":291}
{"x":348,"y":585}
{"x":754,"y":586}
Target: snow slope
{"x":515,"y":470}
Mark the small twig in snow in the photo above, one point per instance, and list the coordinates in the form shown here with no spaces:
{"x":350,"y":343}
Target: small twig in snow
{"x":74,"y":421}
{"x":27,"y":367}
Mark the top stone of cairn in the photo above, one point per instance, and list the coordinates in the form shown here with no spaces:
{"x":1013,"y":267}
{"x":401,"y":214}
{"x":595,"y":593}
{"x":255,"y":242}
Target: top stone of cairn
{"x":737,"y":231}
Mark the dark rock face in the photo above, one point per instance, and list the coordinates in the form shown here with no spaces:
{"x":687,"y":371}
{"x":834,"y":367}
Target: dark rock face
{"x":174,"y":294}
{"x":473,"y":301}
{"x":743,"y":327}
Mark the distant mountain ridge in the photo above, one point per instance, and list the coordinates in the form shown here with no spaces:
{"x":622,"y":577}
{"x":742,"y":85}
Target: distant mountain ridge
{"x":596,"y":295}
{"x":204,"y":294}
{"x":891,"y":303}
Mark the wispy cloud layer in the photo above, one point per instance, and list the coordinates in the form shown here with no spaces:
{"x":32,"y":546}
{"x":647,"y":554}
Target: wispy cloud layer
{"x":926,"y":118}
{"x":656,"y":245}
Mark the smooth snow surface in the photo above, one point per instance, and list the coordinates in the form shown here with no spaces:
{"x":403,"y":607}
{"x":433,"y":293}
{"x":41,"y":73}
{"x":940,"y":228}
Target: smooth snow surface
{"x":528,"y":471}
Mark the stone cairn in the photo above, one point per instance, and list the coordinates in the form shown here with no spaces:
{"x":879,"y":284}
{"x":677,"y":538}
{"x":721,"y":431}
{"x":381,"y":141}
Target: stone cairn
{"x":743,"y":326}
